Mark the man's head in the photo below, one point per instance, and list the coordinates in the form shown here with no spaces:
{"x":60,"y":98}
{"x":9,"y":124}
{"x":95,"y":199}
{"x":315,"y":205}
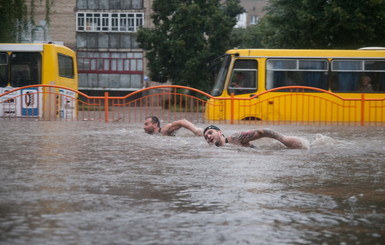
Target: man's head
{"x":240,"y":76}
{"x":213,"y":135}
{"x":365,"y":80}
{"x":151,"y":124}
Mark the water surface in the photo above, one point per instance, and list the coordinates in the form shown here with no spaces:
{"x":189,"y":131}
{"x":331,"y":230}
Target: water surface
{"x":110,"y":183}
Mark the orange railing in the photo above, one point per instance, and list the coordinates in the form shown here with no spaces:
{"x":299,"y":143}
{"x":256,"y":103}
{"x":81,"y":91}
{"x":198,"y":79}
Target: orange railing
{"x":173,"y":102}
{"x":300,"y":105}
{"x":50,"y":102}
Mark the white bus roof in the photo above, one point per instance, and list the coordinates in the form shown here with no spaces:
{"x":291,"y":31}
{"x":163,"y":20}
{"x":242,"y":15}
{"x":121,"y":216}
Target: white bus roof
{"x":372,"y":48}
{"x":13,"y":47}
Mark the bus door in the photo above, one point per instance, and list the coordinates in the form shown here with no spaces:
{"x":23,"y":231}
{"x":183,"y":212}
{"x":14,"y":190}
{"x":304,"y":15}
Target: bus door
{"x":67,"y":105}
{"x":243,"y":83}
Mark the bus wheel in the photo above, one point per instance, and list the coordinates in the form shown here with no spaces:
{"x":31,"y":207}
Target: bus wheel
{"x":251,"y":119}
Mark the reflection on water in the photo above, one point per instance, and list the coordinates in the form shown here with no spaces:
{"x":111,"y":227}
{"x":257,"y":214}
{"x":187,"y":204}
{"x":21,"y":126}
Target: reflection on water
{"x":98,"y":183}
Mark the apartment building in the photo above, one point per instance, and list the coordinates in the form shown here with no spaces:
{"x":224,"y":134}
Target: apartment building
{"x":254,"y":10}
{"x":103,"y":32}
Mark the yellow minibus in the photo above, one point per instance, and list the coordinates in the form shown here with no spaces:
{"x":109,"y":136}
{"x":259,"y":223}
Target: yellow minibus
{"x":299,"y":85}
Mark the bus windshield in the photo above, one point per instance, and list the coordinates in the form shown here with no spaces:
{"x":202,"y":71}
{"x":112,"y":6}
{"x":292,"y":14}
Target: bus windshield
{"x":3,"y":69}
{"x":220,"y":68}
{"x":25,"y":69}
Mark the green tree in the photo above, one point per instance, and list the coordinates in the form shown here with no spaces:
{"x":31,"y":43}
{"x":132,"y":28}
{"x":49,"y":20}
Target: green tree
{"x":248,"y":37}
{"x":323,"y":24}
{"x":15,"y":15}
{"x":186,"y":36}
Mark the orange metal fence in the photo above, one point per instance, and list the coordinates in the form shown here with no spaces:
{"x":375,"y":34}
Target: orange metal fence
{"x":50,"y":102}
{"x":300,"y":105}
{"x":172,"y":102}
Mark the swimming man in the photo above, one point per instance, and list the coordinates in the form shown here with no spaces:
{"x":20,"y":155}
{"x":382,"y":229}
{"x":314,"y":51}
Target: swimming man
{"x":152,"y":126}
{"x":213,"y":135}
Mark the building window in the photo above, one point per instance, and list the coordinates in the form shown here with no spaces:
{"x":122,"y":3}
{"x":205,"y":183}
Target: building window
{"x":241,"y":21}
{"x":108,"y":22}
{"x":254,"y":19}
{"x":110,"y":62}
{"x":109,"y":4}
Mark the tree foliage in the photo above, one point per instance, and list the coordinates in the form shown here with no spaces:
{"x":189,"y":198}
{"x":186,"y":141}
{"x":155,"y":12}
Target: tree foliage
{"x":323,"y":24}
{"x":12,"y":19}
{"x":248,"y":37}
{"x":186,"y":36}
{"x":16,"y":15}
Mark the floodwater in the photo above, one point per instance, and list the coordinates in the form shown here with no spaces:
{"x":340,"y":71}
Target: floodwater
{"x":110,"y":183}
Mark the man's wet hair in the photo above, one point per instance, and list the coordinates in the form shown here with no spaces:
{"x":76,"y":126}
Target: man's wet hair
{"x":154,"y":119}
{"x":211,"y":127}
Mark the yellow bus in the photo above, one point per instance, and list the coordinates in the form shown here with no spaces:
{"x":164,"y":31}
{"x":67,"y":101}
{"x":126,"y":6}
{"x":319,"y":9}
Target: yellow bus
{"x":22,"y":65}
{"x":299,"y":85}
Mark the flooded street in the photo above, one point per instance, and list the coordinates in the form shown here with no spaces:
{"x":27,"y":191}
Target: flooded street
{"x":110,"y":183}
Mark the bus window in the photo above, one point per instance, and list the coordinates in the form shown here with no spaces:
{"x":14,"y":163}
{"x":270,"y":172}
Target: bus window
{"x":358,"y":75}
{"x":297,"y":72}
{"x":3,"y":59}
{"x":375,"y":69}
{"x":314,"y":73}
{"x":66,"y":66}
{"x":346,"y":75}
{"x":3,"y":69}
{"x":244,"y":77}
{"x":25,"y":68}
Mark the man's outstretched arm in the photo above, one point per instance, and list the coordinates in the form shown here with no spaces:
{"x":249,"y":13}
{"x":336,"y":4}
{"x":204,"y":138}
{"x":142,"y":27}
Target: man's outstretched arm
{"x":174,"y":126}
{"x":244,"y":138}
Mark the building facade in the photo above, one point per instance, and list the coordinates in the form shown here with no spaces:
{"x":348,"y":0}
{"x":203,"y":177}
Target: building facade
{"x":109,"y":58}
{"x":254,"y":10}
{"x":103,"y":33}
